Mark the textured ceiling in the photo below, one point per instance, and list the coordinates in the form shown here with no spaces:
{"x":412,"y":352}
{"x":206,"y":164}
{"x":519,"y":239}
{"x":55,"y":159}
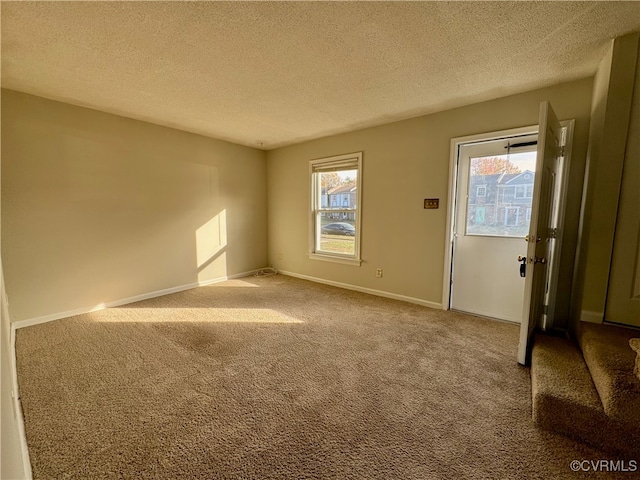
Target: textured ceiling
{"x":277,"y":73}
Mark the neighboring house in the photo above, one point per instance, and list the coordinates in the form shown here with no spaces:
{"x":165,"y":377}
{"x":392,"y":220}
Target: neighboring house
{"x":342,"y":197}
{"x":500,"y":200}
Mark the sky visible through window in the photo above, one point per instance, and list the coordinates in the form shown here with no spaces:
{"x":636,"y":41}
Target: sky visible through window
{"x":524,"y":161}
{"x":344,"y":174}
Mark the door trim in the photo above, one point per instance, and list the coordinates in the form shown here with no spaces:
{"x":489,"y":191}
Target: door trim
{"x":456,"y":144}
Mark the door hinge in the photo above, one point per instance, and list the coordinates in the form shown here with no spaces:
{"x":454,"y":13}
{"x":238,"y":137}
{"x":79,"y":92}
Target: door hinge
{"x":553,"y":233}
{"x":563,"y":137}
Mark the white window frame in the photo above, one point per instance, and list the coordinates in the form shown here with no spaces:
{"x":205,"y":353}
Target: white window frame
{"x":509,"y":190}
{"x":351,"y":161}
{"x":529,"y":191}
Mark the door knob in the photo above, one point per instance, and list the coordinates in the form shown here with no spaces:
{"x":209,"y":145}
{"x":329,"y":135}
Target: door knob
{"x":523,"y":265}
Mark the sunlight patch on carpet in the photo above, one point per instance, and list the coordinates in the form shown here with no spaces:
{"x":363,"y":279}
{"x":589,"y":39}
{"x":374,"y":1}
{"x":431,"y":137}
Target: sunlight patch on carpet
{"x":196,"y":315}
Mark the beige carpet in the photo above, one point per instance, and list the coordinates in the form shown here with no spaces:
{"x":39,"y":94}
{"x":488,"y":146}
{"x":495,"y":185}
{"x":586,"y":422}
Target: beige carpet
{"x":611,"y":362}
{"x":565,"y":399}
{"x":281,"y":378}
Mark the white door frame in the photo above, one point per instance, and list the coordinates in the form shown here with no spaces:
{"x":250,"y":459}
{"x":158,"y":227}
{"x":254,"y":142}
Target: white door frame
{"x":456,"y":143}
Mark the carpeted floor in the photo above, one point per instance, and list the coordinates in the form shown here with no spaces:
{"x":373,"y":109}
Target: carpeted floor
{"x":565,"y":398}
{"x":611,"y":362}
{"x":281,"y":378}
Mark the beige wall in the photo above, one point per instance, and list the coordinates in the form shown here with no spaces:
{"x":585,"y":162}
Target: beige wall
{"x":98,"y":208}
{"x":611,"y":108}
{"x":598,"y":110}
{"x":623,"y":294}
{"x":403,"y":163}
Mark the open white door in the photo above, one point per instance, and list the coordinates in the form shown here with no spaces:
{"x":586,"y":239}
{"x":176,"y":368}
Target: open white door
{"x":541,"y":229}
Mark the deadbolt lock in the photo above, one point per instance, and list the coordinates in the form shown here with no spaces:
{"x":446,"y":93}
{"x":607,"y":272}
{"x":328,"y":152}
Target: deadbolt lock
{"x":528,"y":239}
{"x":524,"y":260}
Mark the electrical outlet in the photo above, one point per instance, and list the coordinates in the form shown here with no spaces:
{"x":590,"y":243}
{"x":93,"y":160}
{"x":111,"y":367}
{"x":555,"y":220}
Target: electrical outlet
{"x":379,"y":273}
{"x":280,"y":256}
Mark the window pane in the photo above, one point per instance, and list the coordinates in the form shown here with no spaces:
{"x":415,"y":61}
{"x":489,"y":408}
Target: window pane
{"x":500,"y":194}
{"x":337,"y":233}
{"x":335,"y":185}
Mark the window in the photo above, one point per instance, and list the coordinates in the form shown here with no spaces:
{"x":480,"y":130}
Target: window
{"x":334,"y":231}
{"x":524,"y":191}
{"x":493,"y":207}
{"x":512,"y":216}
{"x":509,"y":191}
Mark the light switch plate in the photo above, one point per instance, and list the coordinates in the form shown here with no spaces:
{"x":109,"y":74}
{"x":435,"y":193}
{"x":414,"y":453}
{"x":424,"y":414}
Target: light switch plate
{"x":431,"y":203}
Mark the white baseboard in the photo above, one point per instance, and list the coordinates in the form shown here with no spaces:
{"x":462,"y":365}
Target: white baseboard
{"x":591,"y":317}
{"x":371,"y":291}
{"x":17,"y":409}
{"x":124,"y":301}
{"x":57,"y":316}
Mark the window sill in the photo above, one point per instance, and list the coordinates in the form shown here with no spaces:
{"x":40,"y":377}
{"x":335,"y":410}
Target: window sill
{"x":335,"y":259}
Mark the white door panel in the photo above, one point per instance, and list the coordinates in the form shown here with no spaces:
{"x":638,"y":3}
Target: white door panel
{"x":541,"y":242}
{"x":492,"y":287}
{"x":494,"y":192}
